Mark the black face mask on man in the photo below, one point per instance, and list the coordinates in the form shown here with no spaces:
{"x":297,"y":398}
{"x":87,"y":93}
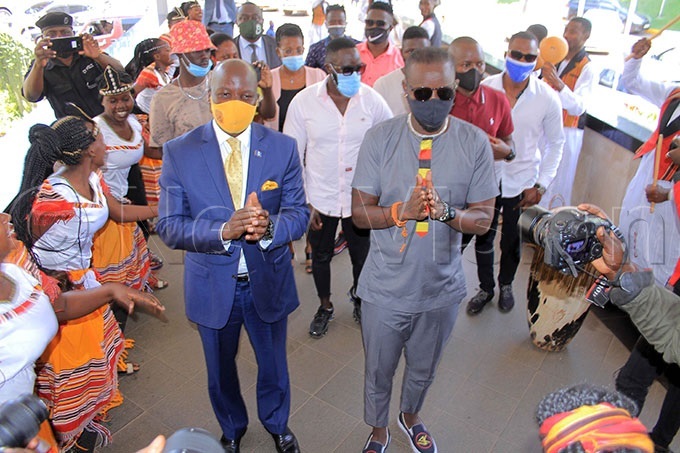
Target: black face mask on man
{"x":469,"y":80}
{"x":430,"y":114}
{"x":377,"y":35}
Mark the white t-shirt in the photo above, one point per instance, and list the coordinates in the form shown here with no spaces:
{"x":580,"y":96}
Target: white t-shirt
{"x":27,"y":324}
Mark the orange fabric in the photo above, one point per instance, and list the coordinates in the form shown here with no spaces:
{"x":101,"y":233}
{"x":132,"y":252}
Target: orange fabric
{"x":602,"y":427}
{"x":47,"y":435}
{"x":318,"y":15}
{"x":570,"y":80}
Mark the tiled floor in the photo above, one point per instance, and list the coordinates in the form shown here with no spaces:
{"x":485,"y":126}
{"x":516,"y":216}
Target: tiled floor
{"x":483,"y":399}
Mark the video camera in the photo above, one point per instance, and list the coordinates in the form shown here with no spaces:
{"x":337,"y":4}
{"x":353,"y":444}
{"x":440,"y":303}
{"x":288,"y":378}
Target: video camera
{"x":567,"y":236}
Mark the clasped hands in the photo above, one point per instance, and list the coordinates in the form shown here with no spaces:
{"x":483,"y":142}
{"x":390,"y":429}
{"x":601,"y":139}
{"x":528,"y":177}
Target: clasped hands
{"x":250,"y":222}
{"x":424,"y":201}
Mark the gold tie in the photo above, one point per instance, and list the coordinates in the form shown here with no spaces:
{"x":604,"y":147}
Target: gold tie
{"x":233,"y":168}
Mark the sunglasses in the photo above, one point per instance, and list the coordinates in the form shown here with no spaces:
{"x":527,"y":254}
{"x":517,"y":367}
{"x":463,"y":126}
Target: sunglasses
{"x":375,"y":23}
{"x":348,"y":70}
{"x":423,"y":94}
{"x":528,"y":57}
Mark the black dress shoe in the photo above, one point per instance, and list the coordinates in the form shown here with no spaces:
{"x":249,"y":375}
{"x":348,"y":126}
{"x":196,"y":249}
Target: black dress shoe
{"x":232,"y":445}
{"x":286,"y":442}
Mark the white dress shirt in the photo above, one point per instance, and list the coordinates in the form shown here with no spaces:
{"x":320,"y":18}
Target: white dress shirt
{"x":225,"y":151}
{"x":391,"y":89}
{"x":574,"y":102}
{"x":329,"y":142}
{"x":247,"y":51}
{"x":537,"y":114}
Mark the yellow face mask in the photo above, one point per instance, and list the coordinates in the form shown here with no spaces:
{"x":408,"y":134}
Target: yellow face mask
{"x":233,"y":117}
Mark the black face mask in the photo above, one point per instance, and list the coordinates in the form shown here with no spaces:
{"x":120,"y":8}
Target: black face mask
{"x":469,"y":80}
{"x":377,"y":35}
{"x":430,"y":114}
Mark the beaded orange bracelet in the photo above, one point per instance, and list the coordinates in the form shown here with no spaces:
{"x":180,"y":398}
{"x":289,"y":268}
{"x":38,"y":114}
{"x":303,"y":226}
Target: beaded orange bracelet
{"x":395,"y":216}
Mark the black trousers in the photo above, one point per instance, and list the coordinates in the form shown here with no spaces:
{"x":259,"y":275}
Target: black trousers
{"x":510,"y":245}
{"x":323,"y":241}
{"x":644,"y":365}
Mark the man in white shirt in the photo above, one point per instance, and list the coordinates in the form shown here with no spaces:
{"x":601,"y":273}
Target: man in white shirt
{"x":329,"y":120}
{"x":573,"y":79}
{"x":390,"y":85}
{"x":537,"y":117}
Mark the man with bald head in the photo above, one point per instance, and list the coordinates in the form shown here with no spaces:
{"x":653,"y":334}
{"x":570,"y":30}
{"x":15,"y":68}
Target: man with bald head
{"x":489,"y":110}
{"x":421,"y":180}
{"x":232,"y":197}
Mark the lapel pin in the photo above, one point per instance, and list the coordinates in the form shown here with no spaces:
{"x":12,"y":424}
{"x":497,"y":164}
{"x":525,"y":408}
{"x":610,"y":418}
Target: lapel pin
{"x":258,"y":153}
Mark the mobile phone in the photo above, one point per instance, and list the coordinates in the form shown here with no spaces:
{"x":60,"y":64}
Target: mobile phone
{"x":67,"y":45}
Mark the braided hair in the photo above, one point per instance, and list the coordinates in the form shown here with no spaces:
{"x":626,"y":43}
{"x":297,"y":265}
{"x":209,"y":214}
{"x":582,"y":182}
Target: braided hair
{"x":143,"y":56}
{"x":65,"y":140}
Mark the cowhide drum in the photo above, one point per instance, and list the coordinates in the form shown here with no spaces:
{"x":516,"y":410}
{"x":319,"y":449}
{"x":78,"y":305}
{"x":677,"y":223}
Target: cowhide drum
{"x":556,"y":305}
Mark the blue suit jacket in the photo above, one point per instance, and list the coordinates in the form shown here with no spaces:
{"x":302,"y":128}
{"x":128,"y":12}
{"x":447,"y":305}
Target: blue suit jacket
{"x":195,"y":201}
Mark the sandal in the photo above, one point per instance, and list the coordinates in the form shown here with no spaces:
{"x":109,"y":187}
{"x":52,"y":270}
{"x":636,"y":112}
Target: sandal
{"x":124,"y":367}
{"x":155,"y":283}
{"x":308,"y":262}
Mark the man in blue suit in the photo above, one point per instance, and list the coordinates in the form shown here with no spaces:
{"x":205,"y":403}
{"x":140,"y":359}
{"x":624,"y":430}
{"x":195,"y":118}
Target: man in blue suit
{"x":232,"y":197}
{"x":220,"y":15}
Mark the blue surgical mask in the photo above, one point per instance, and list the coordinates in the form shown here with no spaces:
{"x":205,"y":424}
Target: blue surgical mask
{"x":196,"y":70}
{"x":348,"y":85}
{"x":293,"y":63}
{"x":518,"y":71}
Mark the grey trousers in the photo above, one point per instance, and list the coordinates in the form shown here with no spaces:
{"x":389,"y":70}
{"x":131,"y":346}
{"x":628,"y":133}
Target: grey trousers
{"x":386,"y":332}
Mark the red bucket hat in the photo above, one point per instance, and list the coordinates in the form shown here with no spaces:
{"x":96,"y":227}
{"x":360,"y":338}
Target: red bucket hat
{"x":190,"y":36}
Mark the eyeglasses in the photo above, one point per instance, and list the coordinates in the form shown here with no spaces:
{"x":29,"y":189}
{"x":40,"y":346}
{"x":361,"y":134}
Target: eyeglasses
{"x":528,"y":57}
{"x":375,"y":23}
{"x":348,"y":70}
{"x":423,"y":94}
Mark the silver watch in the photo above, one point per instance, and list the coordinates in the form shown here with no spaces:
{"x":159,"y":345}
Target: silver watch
{"x":449,"y":213}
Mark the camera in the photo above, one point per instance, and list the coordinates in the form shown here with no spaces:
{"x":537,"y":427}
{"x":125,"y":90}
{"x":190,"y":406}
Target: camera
{"x":20,"y":420}
{"x":567,"y":236}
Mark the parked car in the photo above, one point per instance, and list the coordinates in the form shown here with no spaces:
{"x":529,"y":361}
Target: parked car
{"x":639,"y":23}
{"x":81,"y":11}
{"x":108,"y":30}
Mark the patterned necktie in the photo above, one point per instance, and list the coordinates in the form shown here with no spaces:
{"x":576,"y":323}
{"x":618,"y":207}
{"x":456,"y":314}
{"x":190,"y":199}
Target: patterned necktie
{"x":253,"y":56}
{"x":424,"y":165}
{"x":233,"y":168}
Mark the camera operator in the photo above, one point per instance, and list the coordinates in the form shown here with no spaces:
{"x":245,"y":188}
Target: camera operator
{"x":656,"y":313}
{"x":63,"y":77}
{"x":654,"y":310}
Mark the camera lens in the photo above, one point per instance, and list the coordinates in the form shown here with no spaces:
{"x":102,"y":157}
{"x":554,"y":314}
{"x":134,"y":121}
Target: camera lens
{"x":20,"y":420}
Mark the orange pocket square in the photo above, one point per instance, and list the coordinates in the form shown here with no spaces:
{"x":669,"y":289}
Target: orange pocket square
{"x":269,"y":185}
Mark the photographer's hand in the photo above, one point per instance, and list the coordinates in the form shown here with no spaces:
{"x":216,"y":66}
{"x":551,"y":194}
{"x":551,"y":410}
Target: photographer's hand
{"x":612,"y":247}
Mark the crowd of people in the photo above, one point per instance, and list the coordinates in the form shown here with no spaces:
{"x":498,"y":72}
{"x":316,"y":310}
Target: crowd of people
{"x":231,"y":148}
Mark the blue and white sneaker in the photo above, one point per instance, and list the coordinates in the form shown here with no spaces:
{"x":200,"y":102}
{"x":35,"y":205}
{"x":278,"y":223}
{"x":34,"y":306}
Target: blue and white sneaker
{"x":421,"y":440}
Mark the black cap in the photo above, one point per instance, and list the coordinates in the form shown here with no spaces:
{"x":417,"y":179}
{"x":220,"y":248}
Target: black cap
{"x":54,"y":19}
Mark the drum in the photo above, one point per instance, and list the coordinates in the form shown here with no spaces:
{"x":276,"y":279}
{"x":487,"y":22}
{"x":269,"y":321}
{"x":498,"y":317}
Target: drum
{"x":556,"y":304}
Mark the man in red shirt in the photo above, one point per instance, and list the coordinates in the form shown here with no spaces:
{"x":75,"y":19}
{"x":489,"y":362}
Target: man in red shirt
{"x":489,"y":110}
{"x":377,"y":53}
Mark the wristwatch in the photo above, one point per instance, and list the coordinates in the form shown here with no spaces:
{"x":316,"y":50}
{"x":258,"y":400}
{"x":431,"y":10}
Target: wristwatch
{"x":510,"y":157}
{"x":269,"y":234}
{"x":540,"y":188}
{"x":449,"y":213}
{"x":628,"y":286}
